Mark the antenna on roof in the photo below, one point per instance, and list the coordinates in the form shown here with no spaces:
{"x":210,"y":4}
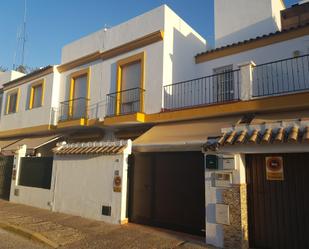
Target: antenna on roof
{"x":21,"y":42}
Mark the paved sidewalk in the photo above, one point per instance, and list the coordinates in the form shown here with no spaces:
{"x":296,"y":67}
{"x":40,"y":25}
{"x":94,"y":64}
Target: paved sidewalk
{"x":74,"y":232}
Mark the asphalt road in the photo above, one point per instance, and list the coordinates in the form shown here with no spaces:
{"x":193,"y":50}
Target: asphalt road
{"x":12,"y":241}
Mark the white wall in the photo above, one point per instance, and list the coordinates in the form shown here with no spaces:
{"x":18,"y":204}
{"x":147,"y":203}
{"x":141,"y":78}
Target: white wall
{"x":204,"y":90}
{"x":181,"y":44}
{"x":277,"y":6}
{"x":85,"y":183}
{"x":26,"y":117}
{"x":239,"y":20}
{"x":7,"y":76}
{"x":166,"y":62}
{"x":36,"y":197}
{"x":103,"y":80}
{"x":277,"y":51}
{"x":103,"y":40}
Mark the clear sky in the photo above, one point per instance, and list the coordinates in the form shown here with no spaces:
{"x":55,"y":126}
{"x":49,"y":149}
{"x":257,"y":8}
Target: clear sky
{"x":53,"y":23}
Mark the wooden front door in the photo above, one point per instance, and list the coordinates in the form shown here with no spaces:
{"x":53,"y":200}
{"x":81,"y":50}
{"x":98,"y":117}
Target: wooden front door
{"x":278,"y":209}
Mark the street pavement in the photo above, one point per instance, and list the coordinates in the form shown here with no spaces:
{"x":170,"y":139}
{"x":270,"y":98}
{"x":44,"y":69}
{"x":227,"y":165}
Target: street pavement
{"x":12,"y":241}
{"x":72,"y":232}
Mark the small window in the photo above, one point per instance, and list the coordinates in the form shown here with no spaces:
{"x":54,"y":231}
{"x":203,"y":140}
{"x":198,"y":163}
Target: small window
{"x":36,"y":96}
{"x":12,"y":101}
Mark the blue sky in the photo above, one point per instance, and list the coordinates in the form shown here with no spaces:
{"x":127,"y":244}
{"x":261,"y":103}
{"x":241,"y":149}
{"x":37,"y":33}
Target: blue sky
{"x":53,"y":23}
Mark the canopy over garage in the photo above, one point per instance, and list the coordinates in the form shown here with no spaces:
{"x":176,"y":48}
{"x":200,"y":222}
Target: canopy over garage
{"x":184,"y":136}
{"x":32,"y":143}
{"x":7,"y":142}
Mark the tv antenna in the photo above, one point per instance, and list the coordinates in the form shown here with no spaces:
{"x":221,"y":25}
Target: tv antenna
{"x":21,"y":41}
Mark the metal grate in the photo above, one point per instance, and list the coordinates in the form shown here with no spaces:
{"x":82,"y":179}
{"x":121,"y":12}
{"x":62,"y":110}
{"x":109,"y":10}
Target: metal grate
{"x":217,"y":88}
{"x":281,"y":77}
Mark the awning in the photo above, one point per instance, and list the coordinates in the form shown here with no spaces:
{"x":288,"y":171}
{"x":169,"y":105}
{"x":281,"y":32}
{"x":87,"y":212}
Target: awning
{"x":32,"y":143}
{"x":181,"y":136}
{"x":106,"y":148}
{"x":7,"y":142}
{"x":275,"y":129}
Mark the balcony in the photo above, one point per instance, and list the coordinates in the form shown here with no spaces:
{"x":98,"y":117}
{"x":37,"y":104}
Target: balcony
{"x":126,"y":106}
{"x":281,"y":77}
{"x":213,"y":89}
{"x":73,"y":112}
{"x":250,"y":82}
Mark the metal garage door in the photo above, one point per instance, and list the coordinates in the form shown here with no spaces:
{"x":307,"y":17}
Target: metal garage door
{"x":278,"y":209}
{"x":6,"y":166}
{"x":167,"y":190}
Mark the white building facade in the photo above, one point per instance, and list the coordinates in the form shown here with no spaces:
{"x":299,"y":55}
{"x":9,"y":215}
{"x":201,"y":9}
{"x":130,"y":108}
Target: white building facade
{"x":142,"y":123}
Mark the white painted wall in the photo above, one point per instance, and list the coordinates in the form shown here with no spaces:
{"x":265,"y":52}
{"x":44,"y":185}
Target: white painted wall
{"x":7,"y":76}
{"x":239,"y":20}
{"x":36,"y":197}
{"x":103,"y":40}
{"x":85,"y":183}
{"x":277,"y":51}
{"x":181,"y":44}
{"x":25,"y":117}
{"x":167,"y":61}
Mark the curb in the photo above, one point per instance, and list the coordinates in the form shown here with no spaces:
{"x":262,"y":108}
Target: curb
{"x":28,"y":234}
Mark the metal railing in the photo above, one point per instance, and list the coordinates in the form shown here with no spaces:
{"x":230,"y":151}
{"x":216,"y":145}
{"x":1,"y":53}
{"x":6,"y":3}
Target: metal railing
{"x":217,"y":88}
{"x":281,"y":77}
{"x":125,"y":102}
{"x":97,"y":110}
{"x":73,"y":109}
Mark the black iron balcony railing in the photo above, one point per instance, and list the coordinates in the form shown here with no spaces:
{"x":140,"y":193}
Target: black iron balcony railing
{"x":217,"y":88}
{"x":73,"y":109}
{"x":125,"y":102}
{"x":281,"y":77}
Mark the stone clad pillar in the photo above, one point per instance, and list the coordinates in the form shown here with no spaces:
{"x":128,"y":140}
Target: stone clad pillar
{"x":235,"y":235}
{"x":226,"y":207}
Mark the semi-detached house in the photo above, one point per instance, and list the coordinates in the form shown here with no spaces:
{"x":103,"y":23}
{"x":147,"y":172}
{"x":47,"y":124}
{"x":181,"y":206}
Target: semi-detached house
{"x":144,"y":122}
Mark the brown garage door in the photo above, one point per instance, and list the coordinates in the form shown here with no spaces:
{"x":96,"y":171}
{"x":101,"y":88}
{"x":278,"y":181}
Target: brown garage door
{"x":278,"y":210}
{"x":6,"y":166}
{"x":167,"y":190}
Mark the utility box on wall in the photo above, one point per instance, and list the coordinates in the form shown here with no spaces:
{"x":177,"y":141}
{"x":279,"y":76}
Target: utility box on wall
{"x":211,"y":162}
{"x":222,"y":179}
{"x":220,"y":162}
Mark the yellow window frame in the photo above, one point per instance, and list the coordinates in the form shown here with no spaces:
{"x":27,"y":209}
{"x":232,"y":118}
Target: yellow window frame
{"x":73,"y":77}
{"x":15,"y":91}
{"x":140,"y":57}
{"x":33,"y":86}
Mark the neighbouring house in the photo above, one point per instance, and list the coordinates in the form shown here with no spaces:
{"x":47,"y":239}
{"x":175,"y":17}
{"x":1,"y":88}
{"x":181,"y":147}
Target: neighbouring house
{"x":145,"y":123}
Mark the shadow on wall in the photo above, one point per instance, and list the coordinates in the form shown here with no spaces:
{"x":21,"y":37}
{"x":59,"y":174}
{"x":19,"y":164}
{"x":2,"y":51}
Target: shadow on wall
{"x":261,"y":28}
{"x":110,"y":99}
{"x":183,"y":66}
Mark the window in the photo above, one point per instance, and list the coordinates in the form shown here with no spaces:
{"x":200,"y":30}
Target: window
{"x":36,"y":95}
{"x":79,"y":94}
{"x":12,"y":102}
{"x":36,"y":172}
{"x":223,"y":88}
{"x":130,"y":84}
